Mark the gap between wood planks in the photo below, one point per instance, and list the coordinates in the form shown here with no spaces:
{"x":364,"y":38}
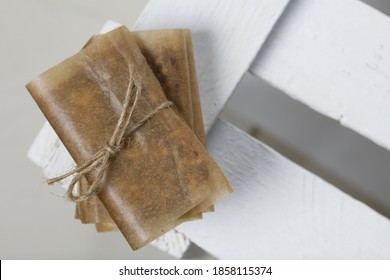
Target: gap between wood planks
{"x":335,"y":153}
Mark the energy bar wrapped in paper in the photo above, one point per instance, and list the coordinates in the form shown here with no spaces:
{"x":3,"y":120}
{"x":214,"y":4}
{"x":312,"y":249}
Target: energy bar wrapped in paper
{"x":138,"y":155}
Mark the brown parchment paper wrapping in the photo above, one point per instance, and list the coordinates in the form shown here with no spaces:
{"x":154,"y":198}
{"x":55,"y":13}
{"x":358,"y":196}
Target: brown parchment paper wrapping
{"x":169,"y":53}
{"x":163,"y":170}
{"x":105,"y":227}
{"x":92,"y":211}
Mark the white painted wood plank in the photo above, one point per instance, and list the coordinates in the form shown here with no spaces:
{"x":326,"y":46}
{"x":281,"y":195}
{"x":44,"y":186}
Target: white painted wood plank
{"x":173,"y":242}
{"x":48,"y":152}
{"x":226,"y":34}
{"x":278,"y":210}
{"x":334,"y":56}
{"x":304,"y":217}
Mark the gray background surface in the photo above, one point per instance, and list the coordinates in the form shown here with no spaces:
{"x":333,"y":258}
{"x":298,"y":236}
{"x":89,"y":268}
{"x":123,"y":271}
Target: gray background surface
{"x":37,"y":34}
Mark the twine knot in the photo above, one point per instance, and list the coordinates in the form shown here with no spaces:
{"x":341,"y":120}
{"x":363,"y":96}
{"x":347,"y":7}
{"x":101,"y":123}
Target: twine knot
{"x":100,"y":161}
{"x":111,"y":149}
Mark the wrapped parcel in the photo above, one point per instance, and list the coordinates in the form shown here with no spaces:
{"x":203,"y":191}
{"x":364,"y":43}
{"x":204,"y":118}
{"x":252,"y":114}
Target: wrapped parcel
{"x":162,"y":170}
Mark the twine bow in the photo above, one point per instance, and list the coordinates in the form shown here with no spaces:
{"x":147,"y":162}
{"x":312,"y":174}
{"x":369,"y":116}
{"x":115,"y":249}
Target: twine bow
{"x":102,"y":159}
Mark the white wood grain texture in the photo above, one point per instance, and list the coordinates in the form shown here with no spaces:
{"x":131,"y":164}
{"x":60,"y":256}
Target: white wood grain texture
{"x":278,"y":210}
{"x":48,"y":152}
{"x":334,"y":56}
{"x":268,"y":191}
{"x":226,"y":34}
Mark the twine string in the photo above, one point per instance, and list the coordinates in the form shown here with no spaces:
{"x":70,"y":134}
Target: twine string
{"x":101,"y":160}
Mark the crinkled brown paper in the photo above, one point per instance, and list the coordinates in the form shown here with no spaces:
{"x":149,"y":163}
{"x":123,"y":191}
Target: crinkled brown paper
{"x":169,"y":54}
{"x":162,"y":172}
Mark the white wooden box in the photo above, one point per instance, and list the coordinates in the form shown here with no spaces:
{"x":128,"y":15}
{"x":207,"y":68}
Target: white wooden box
{"x":332,"y":55}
